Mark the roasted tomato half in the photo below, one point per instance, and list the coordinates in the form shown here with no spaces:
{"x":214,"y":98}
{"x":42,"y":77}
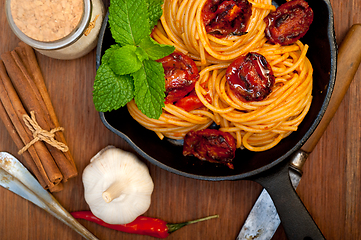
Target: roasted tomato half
{"x":191,"y":101}
{"x":210,"y":145}
{"x":181,"y":74}
{"x":222,"y":18}
{"x":250,"y":77}
{"x":289,"y":22}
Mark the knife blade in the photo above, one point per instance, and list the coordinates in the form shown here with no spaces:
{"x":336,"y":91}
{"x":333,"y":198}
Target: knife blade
{"x":263,"y":220}
{"x":17,"y":179}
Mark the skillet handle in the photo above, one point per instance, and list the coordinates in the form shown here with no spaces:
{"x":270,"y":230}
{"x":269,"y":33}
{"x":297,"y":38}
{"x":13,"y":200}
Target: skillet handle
{"x":295,"y":219}
{"x":348,"y":61}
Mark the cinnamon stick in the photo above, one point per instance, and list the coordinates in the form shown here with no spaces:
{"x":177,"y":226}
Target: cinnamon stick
{"x":28,"y":161}
{"x":56,"y":188}
{"x":15,"y":110}
{"x":22,"y":68}
{"x":27,"y":93}
{"x":30,"y":61}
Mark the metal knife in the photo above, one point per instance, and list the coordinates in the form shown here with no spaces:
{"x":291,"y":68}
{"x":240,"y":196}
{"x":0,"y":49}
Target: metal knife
{"x":16,"y":178}
{"x":263,"y":220}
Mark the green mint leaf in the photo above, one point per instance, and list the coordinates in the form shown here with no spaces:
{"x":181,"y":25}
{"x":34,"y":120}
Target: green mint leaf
{"x":111,"y":91}
{"x":142,"y":55}
{"x":155,"y":50}
{"x":155,"y":11}
{"x":108,"y":53}
{"x":128,"y":20}
{"x":124,"y":60}
{"x":149,"y":88}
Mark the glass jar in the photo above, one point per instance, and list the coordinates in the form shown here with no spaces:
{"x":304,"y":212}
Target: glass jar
{"x":61,"y":29}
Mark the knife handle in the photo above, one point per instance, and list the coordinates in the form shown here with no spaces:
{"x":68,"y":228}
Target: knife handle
{"x":348,"y":60}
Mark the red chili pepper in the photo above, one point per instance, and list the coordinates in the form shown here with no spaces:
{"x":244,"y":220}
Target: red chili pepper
{"x":153,"y":227}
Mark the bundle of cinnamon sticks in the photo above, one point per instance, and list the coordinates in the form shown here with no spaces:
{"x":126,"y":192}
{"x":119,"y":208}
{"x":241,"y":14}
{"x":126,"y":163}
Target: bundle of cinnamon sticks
{"x":27,"y":112}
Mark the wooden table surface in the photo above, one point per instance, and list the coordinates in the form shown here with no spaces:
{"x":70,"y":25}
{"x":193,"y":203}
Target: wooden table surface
{"x":330,"y":187}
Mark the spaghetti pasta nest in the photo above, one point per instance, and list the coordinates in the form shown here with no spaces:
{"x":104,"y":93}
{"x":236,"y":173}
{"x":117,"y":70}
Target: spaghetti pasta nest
{"x":256,"y":125}
{"x":260,"y":125}
{"x":182,"y":26}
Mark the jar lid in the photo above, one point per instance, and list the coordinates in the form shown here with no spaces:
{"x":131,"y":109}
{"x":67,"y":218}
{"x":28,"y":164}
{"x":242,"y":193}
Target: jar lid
{"x":51,"y":45}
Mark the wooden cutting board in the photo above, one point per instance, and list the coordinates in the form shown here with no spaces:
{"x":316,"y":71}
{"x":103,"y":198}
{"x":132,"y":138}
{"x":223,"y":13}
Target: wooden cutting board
{"x":330,"y":187}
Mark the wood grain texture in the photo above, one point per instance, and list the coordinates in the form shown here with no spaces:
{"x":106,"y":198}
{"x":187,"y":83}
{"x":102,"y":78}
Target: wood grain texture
{"x":330,"y":187}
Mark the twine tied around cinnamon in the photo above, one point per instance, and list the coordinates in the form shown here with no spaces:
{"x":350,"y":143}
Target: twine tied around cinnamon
{"x":41,"y":134}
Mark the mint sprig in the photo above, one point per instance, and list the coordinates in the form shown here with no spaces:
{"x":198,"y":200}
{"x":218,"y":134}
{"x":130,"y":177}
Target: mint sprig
{"x":128,"y":68}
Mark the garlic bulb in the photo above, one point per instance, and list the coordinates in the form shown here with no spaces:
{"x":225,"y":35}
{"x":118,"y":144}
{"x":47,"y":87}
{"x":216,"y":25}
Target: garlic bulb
{"x":117,"y":186}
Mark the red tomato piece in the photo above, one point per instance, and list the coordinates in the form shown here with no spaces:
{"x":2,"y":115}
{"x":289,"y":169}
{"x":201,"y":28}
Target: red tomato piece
{"x":181,"y":74}
{"x":191,"y":101}
{"x":250,"y":77}
{"x":289,"y":22}
{"x":210,"y":145}
{"x":222,"y":18}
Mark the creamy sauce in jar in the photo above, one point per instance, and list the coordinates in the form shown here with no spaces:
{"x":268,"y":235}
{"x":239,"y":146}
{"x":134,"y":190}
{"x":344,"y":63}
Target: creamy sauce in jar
{"x":61,"y":29}
{"x":45,"y":20}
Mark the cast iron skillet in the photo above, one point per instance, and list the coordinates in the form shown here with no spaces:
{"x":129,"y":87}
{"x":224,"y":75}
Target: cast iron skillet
{"x":269,"y":168}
